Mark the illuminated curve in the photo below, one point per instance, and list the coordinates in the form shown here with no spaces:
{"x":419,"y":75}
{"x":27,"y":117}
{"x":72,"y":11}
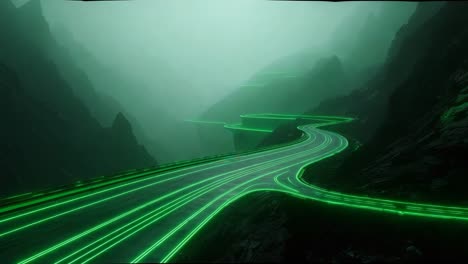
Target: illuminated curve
{"x":150,"y":218}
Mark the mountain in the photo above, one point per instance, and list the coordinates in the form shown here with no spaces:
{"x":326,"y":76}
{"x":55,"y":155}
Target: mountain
{"x":413,"y":113}
{"x":289,"y":85}
{"x":363,"y":38}
{"x":413,"y":122}
{"x":357,"y":46}
{"x":157,"y":123}
{"x":304,"y":82}
{"x":49,"y":136}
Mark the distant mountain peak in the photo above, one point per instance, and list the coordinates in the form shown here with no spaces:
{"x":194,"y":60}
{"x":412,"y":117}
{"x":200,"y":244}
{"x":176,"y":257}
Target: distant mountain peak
{"x":330,"y":64}
{"x":121,"y":123}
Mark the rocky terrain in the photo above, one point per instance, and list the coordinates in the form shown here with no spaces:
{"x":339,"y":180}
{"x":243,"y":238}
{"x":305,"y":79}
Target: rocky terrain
{"x":49,"y":137}
{"x":413,"y":114}
{"x":408,"y":143}
{"x":284,"y":229}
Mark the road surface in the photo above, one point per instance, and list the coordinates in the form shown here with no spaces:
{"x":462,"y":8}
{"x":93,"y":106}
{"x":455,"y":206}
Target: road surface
{"x":149,"y":219}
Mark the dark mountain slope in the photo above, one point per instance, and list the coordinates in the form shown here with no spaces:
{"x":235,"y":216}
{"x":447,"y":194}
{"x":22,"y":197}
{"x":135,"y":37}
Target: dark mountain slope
{"x":48,"y":136}
{"x":157,"y":123}
{"x":369,"y":102}
{"x":370,"y":43}
{"x":417,"y":106}
{"x":100,"y":88}
{"x":268,"y":91}
{"x":355,"y":49}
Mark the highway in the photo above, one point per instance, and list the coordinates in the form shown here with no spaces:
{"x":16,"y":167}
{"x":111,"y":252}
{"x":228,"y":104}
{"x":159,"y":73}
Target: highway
{"x":151,"y":218}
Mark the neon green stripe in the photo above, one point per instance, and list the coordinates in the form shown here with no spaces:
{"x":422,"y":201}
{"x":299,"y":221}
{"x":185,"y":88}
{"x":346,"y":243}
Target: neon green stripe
{"x":53,"y":248}
{"x":132,"y":222}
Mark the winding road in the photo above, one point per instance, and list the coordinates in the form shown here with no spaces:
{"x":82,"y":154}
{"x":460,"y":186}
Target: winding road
{"x":150,"y":218}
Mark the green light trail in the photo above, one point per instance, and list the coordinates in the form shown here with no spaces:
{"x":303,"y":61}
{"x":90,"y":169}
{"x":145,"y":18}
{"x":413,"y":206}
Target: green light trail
{"x":287,"y":167}
{"x":19,"y":195}
{"x":132,"y":175}
{"x":174,"y":205}
{"x":147,"y":221}
{"x":284,"y":186}
{"x":160,"y":241}
{"x":289,"y":180}
{"x":243,"y":174}
{"x":110,"y":221}
{"x":240,"y":127}
{"x":206,"y":122}
{"x":112,"y":197}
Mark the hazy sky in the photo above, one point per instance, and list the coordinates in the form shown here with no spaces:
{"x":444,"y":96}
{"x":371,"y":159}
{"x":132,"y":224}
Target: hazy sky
{"x":212,"y":44}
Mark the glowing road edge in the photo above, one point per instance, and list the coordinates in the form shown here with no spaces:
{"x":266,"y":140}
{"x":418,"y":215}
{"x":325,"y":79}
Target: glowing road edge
{"x":176,"y":199}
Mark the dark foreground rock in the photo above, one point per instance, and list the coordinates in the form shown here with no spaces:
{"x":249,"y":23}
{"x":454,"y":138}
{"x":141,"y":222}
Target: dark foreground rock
{"x":273,"y":227}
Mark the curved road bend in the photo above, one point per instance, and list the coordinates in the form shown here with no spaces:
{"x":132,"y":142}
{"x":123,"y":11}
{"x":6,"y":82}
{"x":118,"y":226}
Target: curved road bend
{"x":146,"y":219}
{"x":150,"y":219}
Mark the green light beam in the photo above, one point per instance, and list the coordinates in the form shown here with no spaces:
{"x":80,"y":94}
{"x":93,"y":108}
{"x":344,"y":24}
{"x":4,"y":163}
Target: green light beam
{"x":160,"y":241}
{"x":53,"y":248}
{"x":115,"y":196}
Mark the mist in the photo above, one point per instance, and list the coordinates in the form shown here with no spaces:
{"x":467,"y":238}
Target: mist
{"x":164,"y":62}
{"x":133,"y":130}
{"x":212,"y":46}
